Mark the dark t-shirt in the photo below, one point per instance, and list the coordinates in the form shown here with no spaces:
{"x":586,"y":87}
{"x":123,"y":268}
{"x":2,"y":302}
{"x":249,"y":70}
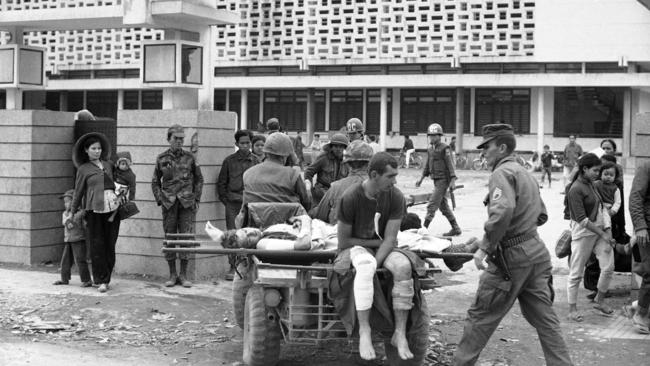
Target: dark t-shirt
{"x":359,"y":211}
{"x":408,"y":144}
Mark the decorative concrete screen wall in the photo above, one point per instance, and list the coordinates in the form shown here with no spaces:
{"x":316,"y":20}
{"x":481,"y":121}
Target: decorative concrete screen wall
{"x":35,"y":168}
{"x":350,"y":29}
{"x":144,"y":134}
{"x":641,"y":138}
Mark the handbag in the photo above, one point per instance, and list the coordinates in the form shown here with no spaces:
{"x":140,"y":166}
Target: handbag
{"x":563,"y":244}
{"x":127,"y":210}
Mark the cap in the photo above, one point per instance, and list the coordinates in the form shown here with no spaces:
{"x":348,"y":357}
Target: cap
{"x":176,"y":128}
{"x":272,"y":124}
{"x":68,"y":193}
{"x":490,"y":132}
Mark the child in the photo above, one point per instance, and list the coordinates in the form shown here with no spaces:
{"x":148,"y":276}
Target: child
{"x":547,"y":164}
{"x":609,"y":192}
{"x":258,"y":142}
{"x":124,"y":176}
{"x":75,"y":244}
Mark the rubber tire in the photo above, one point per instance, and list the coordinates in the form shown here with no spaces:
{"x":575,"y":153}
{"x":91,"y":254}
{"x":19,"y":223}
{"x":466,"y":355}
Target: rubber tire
{"x":418,"y":342}
{"x":261,"y":336}
{"x":240,"y":287}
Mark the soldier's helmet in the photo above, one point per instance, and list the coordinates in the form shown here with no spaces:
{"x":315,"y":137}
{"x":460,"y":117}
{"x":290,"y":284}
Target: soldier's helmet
{"x":339,"y":139}
{"x":278,"y":144}
{"x":354,"y":125}
{"x":358,"y":151}
{"x":434,"y":129}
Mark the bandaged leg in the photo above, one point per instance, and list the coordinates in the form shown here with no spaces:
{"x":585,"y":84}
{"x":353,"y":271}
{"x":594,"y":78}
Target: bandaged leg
{"x":365,"y":265}
{"x":400,"y":268}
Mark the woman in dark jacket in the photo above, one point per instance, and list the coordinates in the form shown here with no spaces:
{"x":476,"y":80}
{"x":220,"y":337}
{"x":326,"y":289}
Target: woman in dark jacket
{"x":588,"y":235}
{"x":94,"y":193}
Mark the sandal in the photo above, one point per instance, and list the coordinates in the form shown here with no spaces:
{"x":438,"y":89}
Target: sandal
{"x":60,"y":282}
{"x":576,"y":317}
{"x":604,"y":310}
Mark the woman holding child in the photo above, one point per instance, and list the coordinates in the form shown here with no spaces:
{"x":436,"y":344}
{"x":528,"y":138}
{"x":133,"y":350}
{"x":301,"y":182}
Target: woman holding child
{"x":589,"y":234}
{"x":94,"y":193}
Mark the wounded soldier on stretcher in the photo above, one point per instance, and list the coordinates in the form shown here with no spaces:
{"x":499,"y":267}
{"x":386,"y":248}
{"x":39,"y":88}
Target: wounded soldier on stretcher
{"x":303,"y":233}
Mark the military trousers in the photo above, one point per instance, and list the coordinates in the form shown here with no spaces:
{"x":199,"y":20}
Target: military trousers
{"x":533,"y":287}
{"x":438,"y":200}
{"x":178,"y":220}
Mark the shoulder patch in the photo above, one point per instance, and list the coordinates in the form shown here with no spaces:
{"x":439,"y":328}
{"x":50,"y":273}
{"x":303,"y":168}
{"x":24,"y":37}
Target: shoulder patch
{"x":496,"y":194}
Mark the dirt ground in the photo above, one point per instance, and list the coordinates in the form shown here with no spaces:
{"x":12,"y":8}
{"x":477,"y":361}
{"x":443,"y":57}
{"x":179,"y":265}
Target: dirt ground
{"x":140,"y":322}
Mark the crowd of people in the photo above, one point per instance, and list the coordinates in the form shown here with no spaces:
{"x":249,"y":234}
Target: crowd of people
{"x":350,"y":184}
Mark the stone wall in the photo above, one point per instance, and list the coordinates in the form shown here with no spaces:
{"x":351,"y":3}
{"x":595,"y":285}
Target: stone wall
{"x":35,"y":168}
{"x":144,"y":134}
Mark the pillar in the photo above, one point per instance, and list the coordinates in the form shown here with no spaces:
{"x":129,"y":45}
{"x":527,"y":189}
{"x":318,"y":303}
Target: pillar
{"x":310,"y":117}
{"x":383,"y":118}
{"x":120,"y":99}
{"x":261,"y":114}
{"x":395,"y":100}
{"x":364,"y":108}
{"x":206,"y":92}
{"x":472,"y":110}
{"x":627,"y":123}
{"x":460,"y":118}
{"x":14,"y":98}
{"x":227,"y":100}
{"x":541,"y":116}
{"x":327,"y":109}
{"x":243,"y":116}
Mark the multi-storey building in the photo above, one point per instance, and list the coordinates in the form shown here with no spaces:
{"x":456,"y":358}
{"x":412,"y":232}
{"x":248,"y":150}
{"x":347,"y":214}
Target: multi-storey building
{"x":549,"y":67}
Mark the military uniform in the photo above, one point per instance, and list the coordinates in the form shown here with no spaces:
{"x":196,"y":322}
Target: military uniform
{"x":511,"y":229}
{"x":177,"y":183}
{"x":441,"y":169}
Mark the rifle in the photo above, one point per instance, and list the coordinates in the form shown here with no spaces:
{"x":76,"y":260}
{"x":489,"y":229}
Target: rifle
{"x":452,"y":196}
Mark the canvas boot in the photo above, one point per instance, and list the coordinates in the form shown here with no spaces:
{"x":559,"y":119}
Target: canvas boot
{"x":455,"y":229}
{"x":182,"y":278}
{"x":172,"y":274}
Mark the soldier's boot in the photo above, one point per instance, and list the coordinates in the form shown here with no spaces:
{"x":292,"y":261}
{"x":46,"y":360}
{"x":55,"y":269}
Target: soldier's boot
{"x":455,"y":229}
{"x":182,"y":278}
{"x":172,"y":274}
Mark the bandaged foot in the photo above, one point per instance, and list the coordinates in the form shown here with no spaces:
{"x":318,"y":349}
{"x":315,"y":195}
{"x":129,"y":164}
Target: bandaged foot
{"x":366,"y":350}
{"x":399,"y":341}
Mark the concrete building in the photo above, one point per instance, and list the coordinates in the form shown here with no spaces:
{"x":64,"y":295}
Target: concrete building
{"x":549,"y":67}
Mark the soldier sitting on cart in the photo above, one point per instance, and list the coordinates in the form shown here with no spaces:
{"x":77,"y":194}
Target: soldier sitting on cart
{"x":369,"y":218}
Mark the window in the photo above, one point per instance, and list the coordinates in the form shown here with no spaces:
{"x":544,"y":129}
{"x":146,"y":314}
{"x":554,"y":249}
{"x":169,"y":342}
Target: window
{"x":373,"y":110}
{"x":288,"y":106}
{"x":588,"y":112}
{"x":345,"y":104}
{"x":421,"y":107}
{"x":507,"y":105}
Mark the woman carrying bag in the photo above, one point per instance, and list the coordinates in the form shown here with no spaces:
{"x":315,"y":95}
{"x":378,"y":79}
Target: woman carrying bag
{"x":588,"y":235}
{"x":94,"y":193}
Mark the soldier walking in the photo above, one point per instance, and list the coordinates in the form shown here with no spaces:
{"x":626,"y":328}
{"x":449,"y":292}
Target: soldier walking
{"x":441,"y":169}
{"x":177,"y":183}
{"x":519,"y":265}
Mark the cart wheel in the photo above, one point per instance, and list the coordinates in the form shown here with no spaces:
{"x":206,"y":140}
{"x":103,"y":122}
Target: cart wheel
{"x":240,"y":287}
{"x":418,"y":338}
{"x":261,"y":334}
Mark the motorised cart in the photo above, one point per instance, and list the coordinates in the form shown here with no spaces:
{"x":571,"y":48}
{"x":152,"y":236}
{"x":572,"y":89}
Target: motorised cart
{"x":283,"y":296}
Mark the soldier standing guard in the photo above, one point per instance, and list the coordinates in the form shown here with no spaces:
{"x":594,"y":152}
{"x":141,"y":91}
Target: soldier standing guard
{"x":519,"y":264}
{"x":177,"y":183}
{"x":441,"y":169}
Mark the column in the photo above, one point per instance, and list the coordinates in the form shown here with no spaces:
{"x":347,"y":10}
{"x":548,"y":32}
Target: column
{"x":364,"y":110}
{"x":261,"y":114}
{"x":327,"y":110}
{"x":472,"y":110}
{"x":243,"y":114}
{"x":120,"y":100}
{"x":310,"y":117}
{"x":540,"y":120}
{"x":206,"y":92}
{"x":14,"y":98}
{"x":396,"y":100}
{"x":627,"y":123}
{"x":460,"y":118}
{"x":227,"y":100}
{"x":383,"y":118}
